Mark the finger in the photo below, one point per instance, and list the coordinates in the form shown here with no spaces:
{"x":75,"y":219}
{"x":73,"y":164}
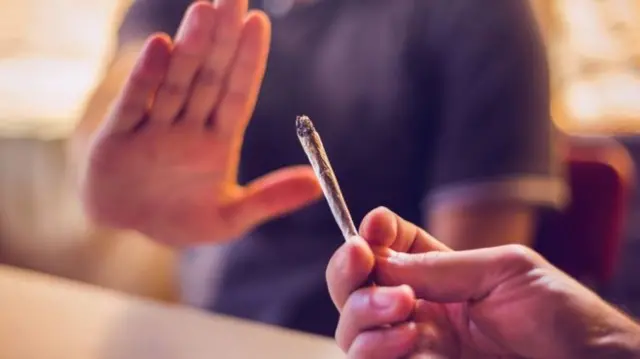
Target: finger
{"x":236,"y":8}
{"x":348,"y":269}
{"x":437,"y":333}
{"x":192,"y":43}
{"x":246,"y":73}
{"x":383,"y":228}
{"x":456,"y":276}
{"x":133,"y":101}
{"x":208,"y":82}
{"x":389,"y":343}
{"x":373,"y":307}
{"x":275,"y":194}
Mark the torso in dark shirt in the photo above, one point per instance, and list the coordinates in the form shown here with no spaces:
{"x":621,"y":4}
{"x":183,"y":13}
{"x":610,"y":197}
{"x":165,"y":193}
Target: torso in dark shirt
{"x":348,"y":71}
{"x":364,"y":72}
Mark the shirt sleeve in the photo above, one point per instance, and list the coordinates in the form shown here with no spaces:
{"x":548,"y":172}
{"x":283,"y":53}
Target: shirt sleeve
{"x":496,"y":138}
{"x":145,"y":17}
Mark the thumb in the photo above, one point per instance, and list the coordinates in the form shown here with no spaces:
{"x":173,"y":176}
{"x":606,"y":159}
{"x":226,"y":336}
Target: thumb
{"x":275,"y":194}
{"x":455,"y":276}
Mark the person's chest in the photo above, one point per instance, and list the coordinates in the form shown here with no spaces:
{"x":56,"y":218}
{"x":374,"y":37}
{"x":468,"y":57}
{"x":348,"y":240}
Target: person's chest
{"x":346,"y":67}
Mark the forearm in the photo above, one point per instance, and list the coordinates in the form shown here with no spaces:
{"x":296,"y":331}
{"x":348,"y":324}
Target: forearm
{"x":601,"y":330}
{"x":629,"y":346}
{"x":621,"y":344}
{"x":472,"y":226}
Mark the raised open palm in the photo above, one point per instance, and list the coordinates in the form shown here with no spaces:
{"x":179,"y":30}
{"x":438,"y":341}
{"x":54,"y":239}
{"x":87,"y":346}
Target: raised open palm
{"x":165,"y":160}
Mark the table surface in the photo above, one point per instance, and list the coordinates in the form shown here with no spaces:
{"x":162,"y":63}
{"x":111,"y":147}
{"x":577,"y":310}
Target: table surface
{"x":50,"y":318}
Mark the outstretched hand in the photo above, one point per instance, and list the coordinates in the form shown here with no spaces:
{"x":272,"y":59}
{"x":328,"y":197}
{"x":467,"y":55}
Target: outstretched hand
{"x":165,"y":160}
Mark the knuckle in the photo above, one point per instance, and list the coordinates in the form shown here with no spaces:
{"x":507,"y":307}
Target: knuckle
{"x":430,"y":258}
{"x":344,"y":337}
{"x":175,"y":88}
{"x":129,"y":108}
{"x":518,"y":256}
{"x":188,"y":117}
{"x":367,"y":344}
{"x":334,"y":268}
{"x":340,"y":341}
{"x":354,"y":303}
{"x":359,"y":306}
{"x":208,"y":77}
{"x":140,"y":81}
{"x":232,"y":217}
{"x":226,"y":39}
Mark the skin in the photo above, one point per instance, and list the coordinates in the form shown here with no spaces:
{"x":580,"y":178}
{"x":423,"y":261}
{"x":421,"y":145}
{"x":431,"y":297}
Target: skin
{"x":165,"y":159}
{"x":431,"y":302}
{"x":478,"y":224}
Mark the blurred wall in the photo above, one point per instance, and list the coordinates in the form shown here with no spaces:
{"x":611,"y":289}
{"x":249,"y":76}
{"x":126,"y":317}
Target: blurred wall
{"x":52,"y":54}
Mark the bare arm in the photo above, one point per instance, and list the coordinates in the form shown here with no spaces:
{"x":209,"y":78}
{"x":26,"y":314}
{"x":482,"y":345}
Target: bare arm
{"x":482,"y":225}
{"x":496,"y":161}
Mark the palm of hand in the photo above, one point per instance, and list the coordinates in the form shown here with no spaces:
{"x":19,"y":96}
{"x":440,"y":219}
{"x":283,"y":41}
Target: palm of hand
{"x":511,"y":320}
{"x":445,"y":331}
{"x":165,"y":160}
{"x":175,"y":176}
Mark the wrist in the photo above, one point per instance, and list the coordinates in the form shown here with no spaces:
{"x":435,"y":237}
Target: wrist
{"x":622,"y":344}
{"x":634,"y":341}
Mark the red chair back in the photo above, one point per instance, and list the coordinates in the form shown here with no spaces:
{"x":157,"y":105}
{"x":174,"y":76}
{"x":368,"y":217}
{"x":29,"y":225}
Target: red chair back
{"x":585,"y":239}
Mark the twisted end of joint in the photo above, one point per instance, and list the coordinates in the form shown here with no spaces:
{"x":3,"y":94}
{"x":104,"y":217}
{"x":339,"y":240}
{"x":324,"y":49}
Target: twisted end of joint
{"x":304,"y":126}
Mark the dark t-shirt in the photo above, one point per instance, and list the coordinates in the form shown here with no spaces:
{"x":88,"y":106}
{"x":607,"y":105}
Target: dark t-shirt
{"x":418,"y":103}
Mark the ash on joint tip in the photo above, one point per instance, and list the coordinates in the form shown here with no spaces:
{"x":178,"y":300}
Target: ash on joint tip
{"x":304,"y":126}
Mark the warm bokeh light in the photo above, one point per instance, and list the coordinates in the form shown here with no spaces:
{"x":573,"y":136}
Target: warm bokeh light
{"x":51,"y":55}
{"x":597,"y":60}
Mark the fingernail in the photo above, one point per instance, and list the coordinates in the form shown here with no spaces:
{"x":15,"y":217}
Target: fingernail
{"x":383,"y":299}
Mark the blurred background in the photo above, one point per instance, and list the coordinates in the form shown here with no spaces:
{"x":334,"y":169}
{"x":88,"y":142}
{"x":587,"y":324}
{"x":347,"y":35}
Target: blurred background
{"x":594,"y":52}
